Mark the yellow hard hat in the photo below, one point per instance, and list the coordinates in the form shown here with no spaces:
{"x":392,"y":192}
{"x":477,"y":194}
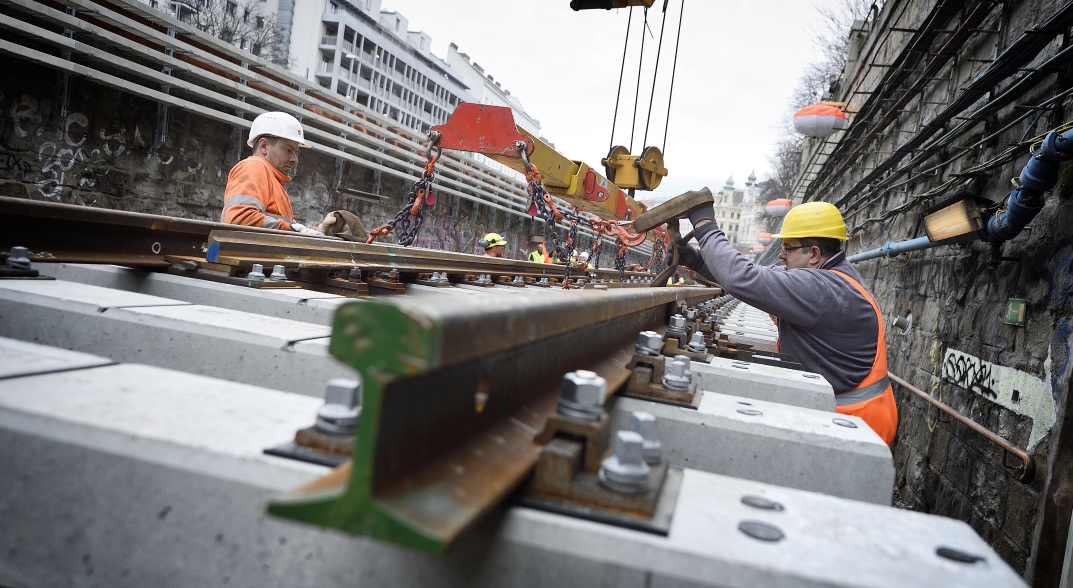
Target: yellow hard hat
{"x":492,"y":240}
{"x":813,"y":219}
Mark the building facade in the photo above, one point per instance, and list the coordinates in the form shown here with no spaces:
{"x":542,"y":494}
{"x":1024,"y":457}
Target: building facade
{"x":369,"y":55}
{"x":753,"y":219}
{"x":728,"y":211}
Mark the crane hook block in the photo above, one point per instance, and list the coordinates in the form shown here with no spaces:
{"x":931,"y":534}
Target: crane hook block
{"x":642,"y":172}
{"x":608,"y":4}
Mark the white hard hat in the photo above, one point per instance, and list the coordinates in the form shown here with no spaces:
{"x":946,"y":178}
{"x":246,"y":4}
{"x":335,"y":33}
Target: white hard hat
{"x":277,"y":124}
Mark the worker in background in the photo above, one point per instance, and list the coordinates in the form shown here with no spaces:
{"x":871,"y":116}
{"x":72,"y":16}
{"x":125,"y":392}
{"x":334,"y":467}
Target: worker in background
{"x":255,"y":196}
{"x":539,"y":253}
{"x":826,"y":317}
{"x":494,"y":244}
{"x":676,"y":279}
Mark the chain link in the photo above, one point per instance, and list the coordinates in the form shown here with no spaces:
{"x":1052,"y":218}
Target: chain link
{"x":407,"y":221}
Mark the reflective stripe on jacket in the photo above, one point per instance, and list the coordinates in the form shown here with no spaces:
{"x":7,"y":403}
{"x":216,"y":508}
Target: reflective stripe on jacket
{"x":536,"y":256}
{"x":255,"y":196}
{"x":873,"y":399}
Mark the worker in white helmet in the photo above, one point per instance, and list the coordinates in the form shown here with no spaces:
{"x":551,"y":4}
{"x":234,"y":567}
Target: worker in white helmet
{"x":255,"y":196}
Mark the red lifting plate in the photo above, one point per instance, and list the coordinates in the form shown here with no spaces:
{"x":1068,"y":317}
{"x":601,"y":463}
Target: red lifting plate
{"x":482,"y":128}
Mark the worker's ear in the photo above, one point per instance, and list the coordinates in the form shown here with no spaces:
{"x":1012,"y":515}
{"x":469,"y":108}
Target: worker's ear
{"x":815,"y":257}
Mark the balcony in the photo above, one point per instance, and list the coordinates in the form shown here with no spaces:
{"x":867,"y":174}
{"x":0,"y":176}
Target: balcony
{"x":329,"y":40}
{"x":348,"y":46}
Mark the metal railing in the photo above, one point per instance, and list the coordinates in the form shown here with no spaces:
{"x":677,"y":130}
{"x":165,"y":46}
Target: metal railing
{"x":329,"y":40}
{"x":1028,"y":470}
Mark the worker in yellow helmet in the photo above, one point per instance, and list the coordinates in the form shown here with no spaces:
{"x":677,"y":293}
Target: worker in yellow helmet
{"x":827,"y":318}
{"x":494,"y":244}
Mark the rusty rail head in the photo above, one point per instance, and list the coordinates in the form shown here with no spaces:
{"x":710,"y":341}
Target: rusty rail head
{"x":1028,"y":470}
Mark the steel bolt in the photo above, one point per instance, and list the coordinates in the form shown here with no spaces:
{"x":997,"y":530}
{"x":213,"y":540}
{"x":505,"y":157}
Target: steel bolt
{"x":279,"y":274}
{"x":677,"y":324}
{"x":257,"y":274}
{"x":625,"y":470}
{"x":678,"y":376}
{"x":691,"y":314}
{"x":582,"y":395}
{"x":18,"y":258}
{"x":544,"y":281}
{"x":644,"y":424}
{"x":649,"y":343}
{"x":518,"y":280}
{"x":696,"y":344}
{"x":342,"y":405}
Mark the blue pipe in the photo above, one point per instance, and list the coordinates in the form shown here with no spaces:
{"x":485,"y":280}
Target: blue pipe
{"x":1039,"y":175}
{"x":894,"y":248}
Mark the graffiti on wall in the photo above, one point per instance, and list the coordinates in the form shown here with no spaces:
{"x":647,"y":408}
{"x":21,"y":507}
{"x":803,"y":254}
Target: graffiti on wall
{"x":1018,"y":391}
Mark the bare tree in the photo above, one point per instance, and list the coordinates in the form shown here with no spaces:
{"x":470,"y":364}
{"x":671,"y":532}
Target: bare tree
{"x":830,"y":39}
{"x":241,"y":23}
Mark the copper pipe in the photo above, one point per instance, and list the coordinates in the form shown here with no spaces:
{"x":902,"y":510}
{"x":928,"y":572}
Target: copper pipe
{"x":1028,"y":471}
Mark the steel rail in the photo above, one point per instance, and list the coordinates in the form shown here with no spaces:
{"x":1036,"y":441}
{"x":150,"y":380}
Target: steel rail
{"x":82,"y":234}
{"x":1028,"y":470}
{"x":292,"y":250}
{"x":454,"y":395}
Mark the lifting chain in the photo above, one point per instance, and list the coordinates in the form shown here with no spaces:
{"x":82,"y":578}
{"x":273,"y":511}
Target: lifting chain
{"x":407,"y":221}
{"x":620,"y":259}
{"x":658,"y":261}
{"x":594,"y":255}
{"x":543,"y":206}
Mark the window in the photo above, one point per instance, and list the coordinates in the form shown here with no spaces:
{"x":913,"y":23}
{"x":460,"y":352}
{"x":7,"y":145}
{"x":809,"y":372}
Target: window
{"x":333,"y":8}
{"x":231,"y":8}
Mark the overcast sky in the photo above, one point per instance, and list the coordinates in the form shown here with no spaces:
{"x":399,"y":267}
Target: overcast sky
{"x":737,"y":65}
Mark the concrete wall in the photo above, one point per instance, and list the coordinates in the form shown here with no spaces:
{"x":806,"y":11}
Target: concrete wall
{"x":102,"y":154}
{"x":958,"y":349}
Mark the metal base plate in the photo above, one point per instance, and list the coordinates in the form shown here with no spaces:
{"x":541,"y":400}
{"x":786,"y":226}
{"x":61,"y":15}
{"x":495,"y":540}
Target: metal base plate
{"x":291,"y":450}
{"x":659,"y":524}
{"x":692,"y":404}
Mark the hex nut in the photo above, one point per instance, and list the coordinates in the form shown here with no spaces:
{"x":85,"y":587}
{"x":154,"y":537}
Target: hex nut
{"x":257,"y":274}
{"x":649,"y":343}
{"x":581,"y":395}
{"x":677,"y":324}
{"x":18,"y":258}
{"x":342,"y":406}
{"x":678,"y":376}
{"x":279,"y":274}
{"x":696,"y":344}
{"x":625,"y":470}
{"x":644,"y":424}
{"x":691,"y":314}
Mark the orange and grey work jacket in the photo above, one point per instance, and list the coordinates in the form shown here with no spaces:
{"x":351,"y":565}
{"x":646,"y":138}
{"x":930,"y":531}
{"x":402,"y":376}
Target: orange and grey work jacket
{"x":255,"y":196}
{"x":827,"y":319}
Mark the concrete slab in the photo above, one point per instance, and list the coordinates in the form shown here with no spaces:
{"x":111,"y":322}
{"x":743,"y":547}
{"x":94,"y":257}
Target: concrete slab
{"x":296,"y":304}
{"x":116,"y":482}
{"x":764,"y":382}
{"x":784,"y":445}
{"x":136,"y":328}
{"x":18,"y":358}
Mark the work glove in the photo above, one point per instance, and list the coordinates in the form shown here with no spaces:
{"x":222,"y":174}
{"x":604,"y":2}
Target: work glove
{"x":300,"y":228}
{"x":688,"y":254}
{"x":702,"y":212}
{"x":343,"y":224}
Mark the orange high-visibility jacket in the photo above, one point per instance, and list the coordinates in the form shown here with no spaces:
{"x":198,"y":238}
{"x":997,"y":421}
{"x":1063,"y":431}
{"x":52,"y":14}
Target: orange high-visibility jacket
{"x":255,"y":196}
{"x":873,"y":399}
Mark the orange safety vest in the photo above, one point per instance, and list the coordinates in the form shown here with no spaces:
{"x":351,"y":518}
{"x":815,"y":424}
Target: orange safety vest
{"x":255,"y":196}
{"x":873,"y":399}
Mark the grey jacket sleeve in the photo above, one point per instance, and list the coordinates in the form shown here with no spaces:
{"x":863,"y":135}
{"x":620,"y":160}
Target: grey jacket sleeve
{"x":799,"y":297}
